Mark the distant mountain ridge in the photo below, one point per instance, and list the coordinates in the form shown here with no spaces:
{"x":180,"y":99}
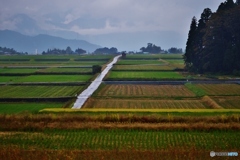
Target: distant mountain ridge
{"x":40,"y":43}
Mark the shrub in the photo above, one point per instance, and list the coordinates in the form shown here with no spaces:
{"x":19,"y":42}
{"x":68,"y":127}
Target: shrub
{"x":96,"y":69}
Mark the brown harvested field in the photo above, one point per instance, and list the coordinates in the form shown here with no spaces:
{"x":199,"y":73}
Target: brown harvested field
{"x":220,"y":89}
{"x":144,"y":103}
{"x":143,"y":67}
{"x":232,"y":102}
{"x":128,"y":90}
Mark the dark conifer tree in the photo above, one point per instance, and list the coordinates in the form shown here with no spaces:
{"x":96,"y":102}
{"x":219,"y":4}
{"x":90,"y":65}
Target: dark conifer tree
{"x":189,"y":54}
{"x":197,"y":61}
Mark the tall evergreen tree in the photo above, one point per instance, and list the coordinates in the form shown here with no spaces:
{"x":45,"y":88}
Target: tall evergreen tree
{"x":197,"y":61}
{"x":189,"y":54}
{"x":214,"y":44}
{"x":226,"y":5}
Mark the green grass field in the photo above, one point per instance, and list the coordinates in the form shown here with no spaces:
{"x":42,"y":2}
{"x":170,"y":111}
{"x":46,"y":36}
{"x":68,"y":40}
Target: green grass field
{"x":52,"y":57}
{"x":142,"y":75}
{"x":8,"y":78}
{"x":46,"y":78}
{"x":139,"y":62}
{"x":17,"y":70}
{"x":65,"y":70}
{"x":171,"y":56}
{"x":29,"y":107}
{"x":149,"y":56}
{"x":142,"y":67}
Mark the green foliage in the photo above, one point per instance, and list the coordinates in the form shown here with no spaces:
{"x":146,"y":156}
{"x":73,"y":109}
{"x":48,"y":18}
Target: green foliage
{"x":11,"y":51}
{"x":106,"y":50}
{"x":151,"y":48}
{"x":96,"y":69}
{"x":175,"y":50}
{"x":68,"y":51}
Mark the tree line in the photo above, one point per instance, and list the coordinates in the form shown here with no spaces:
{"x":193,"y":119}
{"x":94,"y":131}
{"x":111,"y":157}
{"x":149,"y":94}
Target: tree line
{"x":213,"y":43}
{"x":152,"y":48}
{"x":10,"y":51}
{"x":68,"y":50}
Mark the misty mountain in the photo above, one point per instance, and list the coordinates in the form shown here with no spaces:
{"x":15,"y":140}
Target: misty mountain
{"x":25,"y":24}
{"x":42,"y":42}
{"x":54,"y":25}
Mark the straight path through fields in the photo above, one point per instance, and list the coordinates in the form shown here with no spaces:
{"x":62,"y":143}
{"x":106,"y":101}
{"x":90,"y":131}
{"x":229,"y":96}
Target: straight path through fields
{"x":81,"y":99}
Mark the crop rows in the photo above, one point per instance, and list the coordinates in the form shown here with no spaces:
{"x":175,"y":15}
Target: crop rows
{"x":61,"y":70}
{"x":220,"y":89}
{"x":163,"y":56}
{"x":38,"y":91}
{"x":51,"y":63}
{"x":139,"y":62}
{"x":142,"y":67}
{"x":46,"y":78}
{"x":46,"y":70}
{"x":120,"y":139}
{"x":17,"y":70}
{"x":130,"y":75}
{"x":228,"y":102}
{"x":144,"y":104}
{"x":124,"y":90}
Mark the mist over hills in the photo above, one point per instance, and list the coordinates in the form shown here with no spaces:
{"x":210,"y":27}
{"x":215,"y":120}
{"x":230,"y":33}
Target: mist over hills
{"x":41,"y":42}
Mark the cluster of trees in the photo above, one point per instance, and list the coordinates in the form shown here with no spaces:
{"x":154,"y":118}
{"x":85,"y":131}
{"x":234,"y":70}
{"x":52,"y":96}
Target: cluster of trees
{"x":11,"y":51}
{"x":68,"y":50}
{"x":106,"y":50}
{"x":151,"y":48}
{"x":213,"y":43}
{"x":175,"y":50}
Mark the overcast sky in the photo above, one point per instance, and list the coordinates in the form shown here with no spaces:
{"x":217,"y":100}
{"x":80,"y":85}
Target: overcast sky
{"x":110,"y":17}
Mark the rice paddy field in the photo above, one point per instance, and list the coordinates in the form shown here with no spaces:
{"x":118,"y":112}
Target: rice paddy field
{"x":38,"y":91}
{"x":51,"y":60}
{"x":131,"y":90}
{"x":17,"y":70}
{"x":120,"y":139}
{"x":143,"y":68}
{"x":145,"y":104}
{"x":46,"y":78}
{"x":120,"y":120}
{"x":27,"y":107}
{"x":66,"y":70}
{"x":139,"y":62}
{"x":132,"y":75}
{"x":220,"y":89}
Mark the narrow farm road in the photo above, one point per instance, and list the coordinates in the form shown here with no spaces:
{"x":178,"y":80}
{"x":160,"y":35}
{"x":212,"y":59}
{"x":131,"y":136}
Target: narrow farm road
{"x":81,"y":99}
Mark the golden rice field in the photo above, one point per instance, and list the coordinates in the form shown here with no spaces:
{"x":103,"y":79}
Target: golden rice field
{"x":133,"y":90}
{"x":145,"y":103}
{"x":220,"y":89}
